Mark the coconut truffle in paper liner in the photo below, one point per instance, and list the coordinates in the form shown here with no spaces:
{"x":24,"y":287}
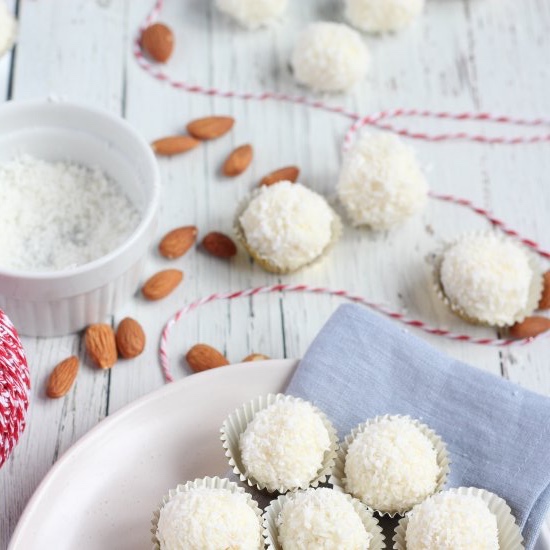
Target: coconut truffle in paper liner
{"x":382,"y":15}
{"x":329,"y":57}
{"x":253,"y":13}
{"x":8,"y":28}
{"x":489,"y":279}
{"x":381,"y":183}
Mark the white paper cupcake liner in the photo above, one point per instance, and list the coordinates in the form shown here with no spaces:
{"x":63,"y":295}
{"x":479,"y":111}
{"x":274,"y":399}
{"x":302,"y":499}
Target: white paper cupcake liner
{"x":208,"y":483}
{"x":236,"y":424}
{"x":272,"y":512}
{"x":263,"y":261}
{"x":509,"y":534}
{"x":338,"y":478}
{"x":535,"y":289}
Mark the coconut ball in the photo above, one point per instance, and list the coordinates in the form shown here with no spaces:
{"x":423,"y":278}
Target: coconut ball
{"x":321,"y":519}
{"x":284,"y":446}
{"x":391,"y":465}
{"x":7,"y":28}
{"x":381,"y":183}
{"x":488,"y":279}
{"x":329,"y":57}
{"x":286,"y":226}
{"x":253,"y":13}
{"x":208,"y":519}
{"x":382,"y":15}
{"x":451,"y":521}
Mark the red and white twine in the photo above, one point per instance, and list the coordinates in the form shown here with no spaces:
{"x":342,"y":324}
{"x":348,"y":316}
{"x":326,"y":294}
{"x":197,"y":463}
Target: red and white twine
{"x":378,"y":120}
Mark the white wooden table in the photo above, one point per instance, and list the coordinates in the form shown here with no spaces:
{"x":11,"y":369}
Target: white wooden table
{"x":463,"y":55}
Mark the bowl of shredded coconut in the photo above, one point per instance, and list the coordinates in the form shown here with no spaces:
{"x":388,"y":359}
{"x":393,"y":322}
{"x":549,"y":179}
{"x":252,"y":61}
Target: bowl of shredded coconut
{"x":79,"y":195}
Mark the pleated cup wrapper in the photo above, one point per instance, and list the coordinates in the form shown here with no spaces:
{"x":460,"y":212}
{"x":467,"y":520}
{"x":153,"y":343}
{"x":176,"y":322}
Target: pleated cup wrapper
{"x":338,"y":478}
{"x":237,"y":422}
{"x":207,"y":483}
{"x":509,"y":534}
{"x":271,"y":531}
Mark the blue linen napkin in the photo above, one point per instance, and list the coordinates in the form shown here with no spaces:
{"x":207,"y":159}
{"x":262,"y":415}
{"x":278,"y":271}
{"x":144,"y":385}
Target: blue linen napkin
{"x":362,"y":365}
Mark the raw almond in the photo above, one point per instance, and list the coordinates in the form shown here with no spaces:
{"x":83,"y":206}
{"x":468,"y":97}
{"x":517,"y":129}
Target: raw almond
{"x":288,"y":173}
{"x":545,"y":298}
{"x":161,"y":284}
{"x":219,"y":245}
{"x":101,"y":345}
{"x":203,"y":357}
{"x":238,"y":161}
{"x":62,"y":377}
{"x":211,"y":127}
{"x":255,"y":357}
{"x":178,"y":241}
{"x":130,"y":338}
{"x":174,"y":145}
{"x":158,"y":41}
{"x":530,"y":327}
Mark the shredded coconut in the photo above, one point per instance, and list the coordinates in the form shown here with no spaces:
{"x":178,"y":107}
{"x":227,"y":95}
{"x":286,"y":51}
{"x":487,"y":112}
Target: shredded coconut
{"x":8,"y":28}
{"x":381,"y":183}
{"x":450,"y":521}
{"x":208,"y":519}
{"x":391,"y":465}
{"x":253,"y":13}
{"x":383,"y":15}
{"x":321,"y":519}
{"x":288,"y":225}
{"x":58,"y":215}
{"x":329,"y":57}
{"x":489,"y":278}
{"x":284,"y":445}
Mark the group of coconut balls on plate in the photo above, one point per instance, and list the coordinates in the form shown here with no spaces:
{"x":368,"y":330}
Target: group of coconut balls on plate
{"x":325,"y":494}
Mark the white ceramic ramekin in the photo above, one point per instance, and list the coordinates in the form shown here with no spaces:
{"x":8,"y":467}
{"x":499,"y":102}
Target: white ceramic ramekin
{"x":61,"y":302}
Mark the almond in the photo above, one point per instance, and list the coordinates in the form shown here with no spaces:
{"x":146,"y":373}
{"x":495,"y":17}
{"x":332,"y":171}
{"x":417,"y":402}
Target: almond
{"x":161,"y":284}
{"x":255,"y":357}
{"x":101,"y":345}
{"x":211,"y":127}
{"x":62,"y":377}
{"x":530,"y":327}
{"x":238,"y":161}
{"x":203,"y":357}
{"x":545,"y":298}
{"x":219,"y":245}
{"x":178,"y":241}
{"x":288,"y":173}
{"x":158,"y":41}
{"x":130,"y":338}
{"x":174,"y":145}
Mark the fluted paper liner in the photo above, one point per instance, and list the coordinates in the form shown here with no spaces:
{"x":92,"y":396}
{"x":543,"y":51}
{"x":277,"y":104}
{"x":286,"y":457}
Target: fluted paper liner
{"x":263,"y":261}
{"x":535,"y":289}
{"x":338,"y":478}
{"x":236,"y":424}
{"x":509,"y":534}
{"x":208,"y":483}
{"x":272,"y":512}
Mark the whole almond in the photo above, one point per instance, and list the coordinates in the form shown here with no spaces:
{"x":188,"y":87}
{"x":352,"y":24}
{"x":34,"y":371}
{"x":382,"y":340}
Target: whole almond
{"x":158,"y":41}
{"x":203,"y":357}
{"x":219,"y":245}
{"x":161,"y":284}
{"x":238,"y":161}
{"x":101,"y":345}
{"x":174,"y":145}
{"x":130,"y":338}
{"x":211,"y":127}
{"x":62,"y":377}
{"x":545,"y":298}
{"x":255,"y":357}
{"x":530,"y":327}
{"x":288,"y":173}
{"x":178,"y":241}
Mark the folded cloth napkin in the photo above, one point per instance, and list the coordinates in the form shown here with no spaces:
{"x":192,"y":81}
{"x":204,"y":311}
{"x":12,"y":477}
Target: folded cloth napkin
{"x":498,"y":434}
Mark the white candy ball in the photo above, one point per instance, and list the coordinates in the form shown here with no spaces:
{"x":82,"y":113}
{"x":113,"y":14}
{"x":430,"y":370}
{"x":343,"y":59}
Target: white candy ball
{"x":253,"y":13}
{"x":8,"y":29}
{"x":382,"y":15}
{"x":329,"y":57}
